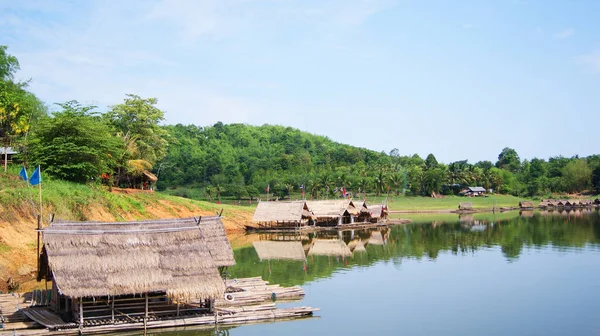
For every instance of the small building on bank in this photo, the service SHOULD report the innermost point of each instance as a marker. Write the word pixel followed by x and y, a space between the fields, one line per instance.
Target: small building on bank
pixel 333 212
pixel 526 205
pixel 7 153
pixel 474 191
pixel 465 206
pixel 282 214
pixel 104 272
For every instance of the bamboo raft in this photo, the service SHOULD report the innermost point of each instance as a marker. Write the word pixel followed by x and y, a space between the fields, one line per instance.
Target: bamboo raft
pixel 245 303
pixel 343 227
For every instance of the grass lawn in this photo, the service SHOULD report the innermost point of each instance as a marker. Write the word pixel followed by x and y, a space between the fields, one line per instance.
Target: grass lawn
pixel 450 202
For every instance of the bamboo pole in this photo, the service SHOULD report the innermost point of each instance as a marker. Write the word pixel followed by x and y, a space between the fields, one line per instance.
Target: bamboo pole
pixel 80 313
pixel 112 310
pixel 146 313
pixel 39 228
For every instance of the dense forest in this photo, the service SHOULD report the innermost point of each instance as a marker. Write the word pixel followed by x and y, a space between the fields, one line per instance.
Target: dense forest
pixel 119 146
pixel 242 161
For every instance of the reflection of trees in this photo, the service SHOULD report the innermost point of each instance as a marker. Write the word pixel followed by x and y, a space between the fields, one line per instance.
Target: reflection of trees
pixel 427 240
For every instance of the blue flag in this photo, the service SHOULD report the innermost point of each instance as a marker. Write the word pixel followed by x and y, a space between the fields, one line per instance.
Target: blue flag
pixel 36 177
pixel 23 174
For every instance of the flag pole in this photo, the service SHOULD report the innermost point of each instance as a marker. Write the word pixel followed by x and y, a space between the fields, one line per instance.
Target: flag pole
pixel 41 206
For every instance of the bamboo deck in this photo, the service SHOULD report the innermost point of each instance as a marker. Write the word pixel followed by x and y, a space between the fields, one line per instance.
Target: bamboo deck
pixel 247 303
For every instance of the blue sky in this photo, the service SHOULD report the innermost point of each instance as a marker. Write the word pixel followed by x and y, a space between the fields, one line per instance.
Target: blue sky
pixel 460 79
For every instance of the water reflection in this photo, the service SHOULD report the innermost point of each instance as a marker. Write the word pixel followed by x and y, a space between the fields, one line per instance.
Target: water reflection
pixel 293 259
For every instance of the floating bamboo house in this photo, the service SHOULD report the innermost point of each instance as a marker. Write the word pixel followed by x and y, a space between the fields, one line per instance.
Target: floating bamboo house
pixel 378 212
pixel 107 273
pixel 526 205
pixel 279 250
pixel 333 212
pixel 282 214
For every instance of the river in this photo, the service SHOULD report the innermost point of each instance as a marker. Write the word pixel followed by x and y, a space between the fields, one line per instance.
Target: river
pixel 505 274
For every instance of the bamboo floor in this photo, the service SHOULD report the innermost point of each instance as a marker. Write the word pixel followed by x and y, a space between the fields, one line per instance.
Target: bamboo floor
pixel 250 300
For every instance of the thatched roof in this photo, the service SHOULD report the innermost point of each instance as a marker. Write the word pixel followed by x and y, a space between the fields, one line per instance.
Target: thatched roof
pixel 526 204
pixel 275 250
pixel 150 176
pixel 281 212
pixel 215 236
pixel 377 210
pixel 211 227
pixel 361 206
pixel 332 208
pixel 332 248
pixel 465 206
pixel 99 260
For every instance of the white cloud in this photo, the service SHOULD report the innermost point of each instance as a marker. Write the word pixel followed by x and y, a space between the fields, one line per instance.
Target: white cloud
pixel 566 33
pixel 591 60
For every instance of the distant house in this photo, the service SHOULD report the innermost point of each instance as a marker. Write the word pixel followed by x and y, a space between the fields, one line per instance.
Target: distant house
pixel 465 206
pixel 378 212
pixel 333 212
pixel 9 154
pixel 526 205
pixel 473 191
pixel 282 214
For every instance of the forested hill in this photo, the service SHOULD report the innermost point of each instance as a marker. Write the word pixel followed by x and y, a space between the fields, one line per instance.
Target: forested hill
pixel 242 160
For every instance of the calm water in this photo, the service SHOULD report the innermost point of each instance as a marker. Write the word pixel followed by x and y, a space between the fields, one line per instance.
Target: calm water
pixel 482 275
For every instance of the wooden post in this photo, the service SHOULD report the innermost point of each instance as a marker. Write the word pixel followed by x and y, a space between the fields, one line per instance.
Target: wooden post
pixel 112 308
pixel 177 307
pixel 80 313
pixel 39 227
pixel 146 313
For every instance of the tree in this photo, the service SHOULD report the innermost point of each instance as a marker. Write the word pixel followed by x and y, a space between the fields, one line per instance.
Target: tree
pixel 430 162
pixel 14 114
pixel 74 144
pixel 577 175
pixel 138 120
pixel 509 159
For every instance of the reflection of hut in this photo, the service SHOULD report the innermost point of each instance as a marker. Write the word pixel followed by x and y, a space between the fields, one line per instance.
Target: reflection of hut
pixel 597 201
pixel 282 214
pixel 466 219
pixel 98 269
pixel 526 213
pixel 465 206
pixel 378 212
pixel 333 212
pixel 376 238
pixel 360 247
pixel 277 250
pixel 331 248
pixel 526 205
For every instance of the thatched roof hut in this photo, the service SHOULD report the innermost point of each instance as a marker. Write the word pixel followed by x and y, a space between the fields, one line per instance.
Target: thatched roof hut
pixel 526 205
pixel 94 260
pixel 465 206
pixel 331 248
pixel 332 208
pixel 290 212
pixel 276 250
pixel 378 211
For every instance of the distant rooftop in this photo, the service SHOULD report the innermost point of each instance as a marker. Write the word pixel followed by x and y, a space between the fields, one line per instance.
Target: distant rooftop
pixel 477 189
pixel 9 150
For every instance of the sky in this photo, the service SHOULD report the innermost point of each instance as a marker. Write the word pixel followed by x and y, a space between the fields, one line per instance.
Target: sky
pixel 459 79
